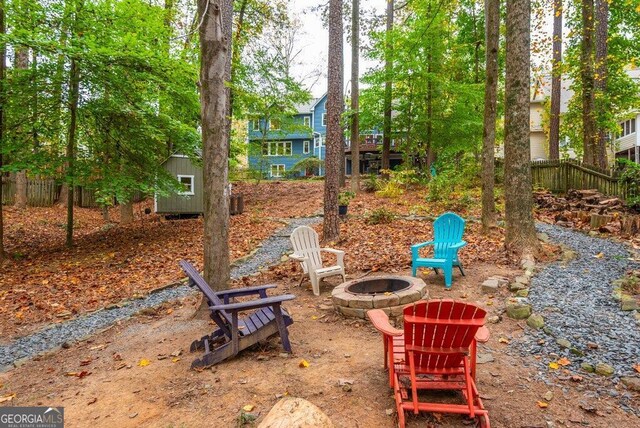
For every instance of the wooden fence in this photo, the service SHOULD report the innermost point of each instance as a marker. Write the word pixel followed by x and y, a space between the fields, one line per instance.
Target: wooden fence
pixel 560 176
pixel 40 192
pixel 45 192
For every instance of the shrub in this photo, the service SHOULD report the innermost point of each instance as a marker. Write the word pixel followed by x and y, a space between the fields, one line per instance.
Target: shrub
pixel 345 197
pixel 372 183
pixel 379 216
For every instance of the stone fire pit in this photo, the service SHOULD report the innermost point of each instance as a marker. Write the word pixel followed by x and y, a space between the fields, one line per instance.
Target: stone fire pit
pixel 388 292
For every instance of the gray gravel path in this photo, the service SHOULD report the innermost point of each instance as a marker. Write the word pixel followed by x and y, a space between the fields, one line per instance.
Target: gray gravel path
pixel 53 336
pixel 577 305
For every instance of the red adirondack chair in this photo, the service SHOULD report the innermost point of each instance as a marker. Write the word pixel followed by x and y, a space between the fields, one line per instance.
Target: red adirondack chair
pixel 436 350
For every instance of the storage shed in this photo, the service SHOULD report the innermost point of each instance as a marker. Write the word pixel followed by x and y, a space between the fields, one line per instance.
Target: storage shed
pixel 191 201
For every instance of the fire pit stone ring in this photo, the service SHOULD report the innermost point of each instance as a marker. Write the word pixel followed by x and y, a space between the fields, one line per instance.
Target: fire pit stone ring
pixel 388 292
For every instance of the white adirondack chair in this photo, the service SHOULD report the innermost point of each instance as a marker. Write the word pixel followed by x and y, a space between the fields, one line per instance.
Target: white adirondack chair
pixel 306 248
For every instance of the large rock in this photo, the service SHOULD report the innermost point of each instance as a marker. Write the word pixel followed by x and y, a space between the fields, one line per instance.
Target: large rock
pixel 517 309
pixel 535 321
pixel 604 369
pixel 490 286
pixel 632 383
pixel 629 303
pixel 292 412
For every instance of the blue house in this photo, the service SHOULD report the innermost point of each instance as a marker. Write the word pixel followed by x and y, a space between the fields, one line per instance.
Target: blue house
pixel 276 145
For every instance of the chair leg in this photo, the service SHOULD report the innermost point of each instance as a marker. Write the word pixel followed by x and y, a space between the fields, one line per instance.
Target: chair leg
pixel 302 275
pixel 414 270
pixel 461 270
pixel 282 328
pixel 448 276
pixel 435 270
pixel 315 284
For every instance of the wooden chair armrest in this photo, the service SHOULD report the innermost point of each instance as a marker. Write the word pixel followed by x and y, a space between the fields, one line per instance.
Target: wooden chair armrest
pixel 339 255
pixel 253 304
pixel 424 244
pixel 332 250
pixel 245 291
pixel 482 335
pixel 380 321
pixel 298 258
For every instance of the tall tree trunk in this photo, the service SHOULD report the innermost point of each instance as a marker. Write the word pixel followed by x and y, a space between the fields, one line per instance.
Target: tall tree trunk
pixel 492 37
pixel 126 213
pixel 213 99
pixel 600 84
pixel 556 82
pixel 3 55
pixel 74 95
pixel 331 224
pixel 236 51
pixel 355 96
pixel 388 95
pixel 586 58
pixel 22 64
pixel 520 232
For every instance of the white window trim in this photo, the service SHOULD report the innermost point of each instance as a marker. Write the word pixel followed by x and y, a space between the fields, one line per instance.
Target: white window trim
pixel 255 124
pixel 307 121
pixel 277 165
pixel 193 182
pixel 277 143
pixel 324 119
pixel 271 127
pixel 306 147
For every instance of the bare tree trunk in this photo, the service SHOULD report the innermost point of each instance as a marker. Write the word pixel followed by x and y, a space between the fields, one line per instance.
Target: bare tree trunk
pixel 388 94
pixel 74 95
pixel 22 64
pixel 126 213
pixel 214 103
pixel 588 100
pixel 105 213
pixel 331 224
pixel 600 84
pixel 492 37
pixel 556 82
pixel 520 232
pixel 355 96
pixel 3 55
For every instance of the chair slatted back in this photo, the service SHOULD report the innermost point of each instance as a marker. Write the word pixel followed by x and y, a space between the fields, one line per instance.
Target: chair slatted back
pixel 447 229
pixel 198 280
pixel 305 243
pixel 441 332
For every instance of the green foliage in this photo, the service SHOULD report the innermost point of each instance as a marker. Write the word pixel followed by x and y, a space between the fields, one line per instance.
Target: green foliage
pixel 372 183
pixel 379 216
pixel 344 198
pixel 457 172
pixel 438 75
pixel 397 182
pixel 311 163
pixel 630 175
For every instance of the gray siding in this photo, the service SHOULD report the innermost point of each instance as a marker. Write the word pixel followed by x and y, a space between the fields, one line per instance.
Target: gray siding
pixel 183 204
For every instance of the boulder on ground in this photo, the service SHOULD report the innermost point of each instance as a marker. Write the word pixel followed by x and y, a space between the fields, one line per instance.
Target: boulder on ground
pixel 292 412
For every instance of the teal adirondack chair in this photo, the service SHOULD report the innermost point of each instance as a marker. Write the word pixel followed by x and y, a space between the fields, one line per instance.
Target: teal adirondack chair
pixel 447 240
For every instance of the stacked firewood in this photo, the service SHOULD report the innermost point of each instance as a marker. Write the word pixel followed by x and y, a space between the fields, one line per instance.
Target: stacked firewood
pixel 588 209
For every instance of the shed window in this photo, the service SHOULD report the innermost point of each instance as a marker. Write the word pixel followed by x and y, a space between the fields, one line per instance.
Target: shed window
pixel 277 170
pixel 188 182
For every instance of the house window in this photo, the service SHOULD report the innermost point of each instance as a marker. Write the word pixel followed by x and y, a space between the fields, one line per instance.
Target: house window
pixel 187 181
pixel 277 170
pixel 307 121
pixel 274 124
pixel 278 148
pixel 627 127
pixel 306 147
pixel 255 124
pixel 324 119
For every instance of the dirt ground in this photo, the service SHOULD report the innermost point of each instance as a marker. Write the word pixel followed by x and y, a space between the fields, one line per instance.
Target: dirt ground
pixel 119 391
pixel 127 376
